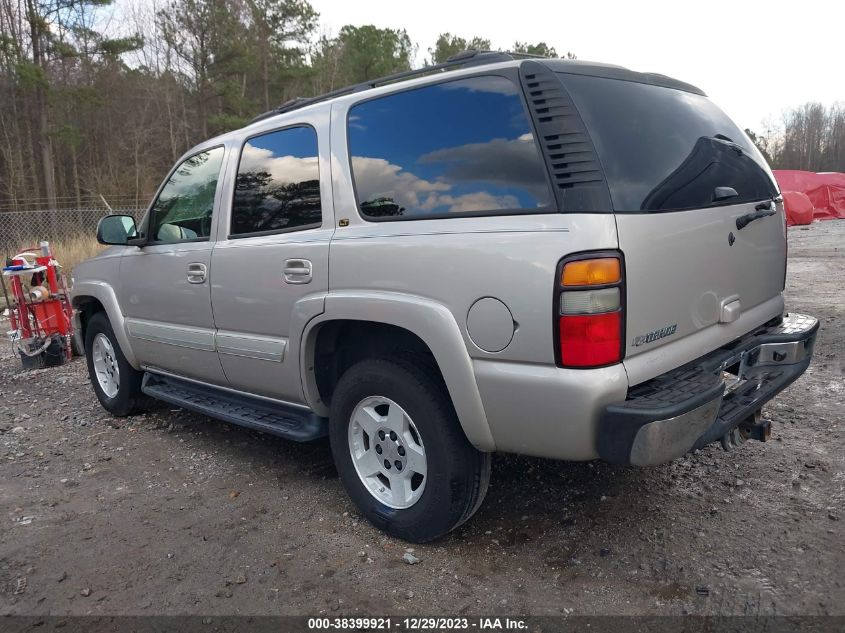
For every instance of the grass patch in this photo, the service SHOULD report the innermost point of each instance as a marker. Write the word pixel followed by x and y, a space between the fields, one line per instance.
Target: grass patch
pixel 73 250
pixel 68 251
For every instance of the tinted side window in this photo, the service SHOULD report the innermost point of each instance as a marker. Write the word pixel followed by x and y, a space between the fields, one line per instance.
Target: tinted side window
pixel 667 150
pixel 278 183
pixel 458 147
pixel 185 205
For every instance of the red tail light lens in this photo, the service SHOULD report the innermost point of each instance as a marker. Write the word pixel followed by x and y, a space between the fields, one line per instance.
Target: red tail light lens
pixel 590 340
pixel 590 310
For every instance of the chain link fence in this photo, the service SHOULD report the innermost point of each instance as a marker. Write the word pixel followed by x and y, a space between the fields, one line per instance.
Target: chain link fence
pixel 20 229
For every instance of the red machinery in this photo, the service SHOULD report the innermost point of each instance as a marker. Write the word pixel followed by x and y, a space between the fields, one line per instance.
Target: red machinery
pixel 40 312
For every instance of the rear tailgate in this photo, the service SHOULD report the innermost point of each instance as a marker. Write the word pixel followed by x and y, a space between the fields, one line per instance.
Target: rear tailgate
pixel 698 215
pixel 686 274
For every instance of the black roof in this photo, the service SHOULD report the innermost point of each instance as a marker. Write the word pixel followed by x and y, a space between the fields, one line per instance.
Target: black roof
pixel 477 58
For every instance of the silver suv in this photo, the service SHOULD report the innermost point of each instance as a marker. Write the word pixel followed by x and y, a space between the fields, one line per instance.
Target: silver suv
pixel 547 257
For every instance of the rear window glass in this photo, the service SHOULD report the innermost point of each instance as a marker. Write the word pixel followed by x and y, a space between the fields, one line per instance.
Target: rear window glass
pixel 453 149
pixel 278 183
pixel 667 150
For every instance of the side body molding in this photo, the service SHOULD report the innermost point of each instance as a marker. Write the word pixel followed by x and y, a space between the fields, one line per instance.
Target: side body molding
pixel 429 320
pixel 104 293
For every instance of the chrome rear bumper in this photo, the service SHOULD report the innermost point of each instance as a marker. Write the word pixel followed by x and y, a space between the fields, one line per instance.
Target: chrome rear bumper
pixel 694 405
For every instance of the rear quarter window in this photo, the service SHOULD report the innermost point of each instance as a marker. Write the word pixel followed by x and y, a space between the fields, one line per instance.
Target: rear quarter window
pixel 664 149
pixel 453 149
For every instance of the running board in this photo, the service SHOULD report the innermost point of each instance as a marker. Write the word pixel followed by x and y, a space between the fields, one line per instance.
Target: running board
pixel 291 423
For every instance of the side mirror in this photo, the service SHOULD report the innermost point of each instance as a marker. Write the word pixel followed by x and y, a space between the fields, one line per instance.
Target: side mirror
pixel 116 229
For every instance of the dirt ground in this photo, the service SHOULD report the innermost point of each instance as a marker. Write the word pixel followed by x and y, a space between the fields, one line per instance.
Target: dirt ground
pixel 174 513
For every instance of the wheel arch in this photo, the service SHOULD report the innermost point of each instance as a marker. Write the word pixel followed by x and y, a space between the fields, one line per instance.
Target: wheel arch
pixel 390 321
pixel 90 297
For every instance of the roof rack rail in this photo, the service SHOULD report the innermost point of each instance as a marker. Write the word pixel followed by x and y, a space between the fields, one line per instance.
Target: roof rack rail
pixel 472 57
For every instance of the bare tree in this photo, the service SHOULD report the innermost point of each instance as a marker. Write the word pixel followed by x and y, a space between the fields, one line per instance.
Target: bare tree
pixel 810 137
pixel 93 105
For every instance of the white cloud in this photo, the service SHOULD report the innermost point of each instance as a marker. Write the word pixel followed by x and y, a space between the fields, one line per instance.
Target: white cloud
pixel 479 201
pixel 285 169
pixel 377 178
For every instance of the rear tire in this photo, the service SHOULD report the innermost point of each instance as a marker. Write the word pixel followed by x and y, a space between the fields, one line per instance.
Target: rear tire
pixel 456 474
pixel 117 384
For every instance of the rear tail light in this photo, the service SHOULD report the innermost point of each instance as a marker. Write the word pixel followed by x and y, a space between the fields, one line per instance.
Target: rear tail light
pixel 590 322
pixel 589 301
pixel 591 272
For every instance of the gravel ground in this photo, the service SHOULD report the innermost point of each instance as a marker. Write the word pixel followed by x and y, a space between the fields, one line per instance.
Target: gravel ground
pixel 171 512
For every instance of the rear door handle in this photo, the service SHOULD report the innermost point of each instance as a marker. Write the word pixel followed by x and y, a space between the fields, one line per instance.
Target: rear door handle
pixel 297 271
pixel 762 210
pixel 197 273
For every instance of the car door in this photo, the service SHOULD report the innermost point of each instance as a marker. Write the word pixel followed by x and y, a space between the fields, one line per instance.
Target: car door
pixel 269 267
pixel 164 285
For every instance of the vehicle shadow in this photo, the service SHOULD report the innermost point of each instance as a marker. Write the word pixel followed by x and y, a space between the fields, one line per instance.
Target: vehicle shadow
pixel 527 496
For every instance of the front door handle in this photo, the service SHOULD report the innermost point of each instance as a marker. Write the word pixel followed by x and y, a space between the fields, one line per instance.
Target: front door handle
pixel 197 273
pixel 297 271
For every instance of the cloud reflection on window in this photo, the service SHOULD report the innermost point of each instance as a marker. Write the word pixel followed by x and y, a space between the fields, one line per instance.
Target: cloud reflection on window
pixel 278 183
pixel 460 147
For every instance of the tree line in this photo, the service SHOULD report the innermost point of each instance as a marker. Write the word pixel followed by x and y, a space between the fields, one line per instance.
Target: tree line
pixel 99 101
pixel 810 137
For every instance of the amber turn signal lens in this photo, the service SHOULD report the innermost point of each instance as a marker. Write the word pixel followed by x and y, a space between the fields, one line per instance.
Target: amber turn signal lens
pixel 591 272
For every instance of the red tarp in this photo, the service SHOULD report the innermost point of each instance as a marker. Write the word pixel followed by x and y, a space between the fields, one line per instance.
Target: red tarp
pixel 825 192
pixel 799 207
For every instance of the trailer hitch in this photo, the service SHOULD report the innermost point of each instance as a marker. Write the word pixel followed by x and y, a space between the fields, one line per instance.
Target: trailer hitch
pixel 754 427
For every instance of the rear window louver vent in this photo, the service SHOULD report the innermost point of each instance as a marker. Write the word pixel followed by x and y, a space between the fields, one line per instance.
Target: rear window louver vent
pixel 577 178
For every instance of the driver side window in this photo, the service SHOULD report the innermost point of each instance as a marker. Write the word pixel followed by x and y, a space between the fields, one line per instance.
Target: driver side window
pixel 184 208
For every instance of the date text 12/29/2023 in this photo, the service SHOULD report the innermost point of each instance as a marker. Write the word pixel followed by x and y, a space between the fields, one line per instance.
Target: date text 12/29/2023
pixel 417 624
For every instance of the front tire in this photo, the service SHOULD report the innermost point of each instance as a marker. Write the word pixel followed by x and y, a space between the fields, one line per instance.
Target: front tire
pixel 116 383
pixel 400 450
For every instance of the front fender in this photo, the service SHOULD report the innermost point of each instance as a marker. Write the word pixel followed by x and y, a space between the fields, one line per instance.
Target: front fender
pixel 430 321
pixel 104 293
